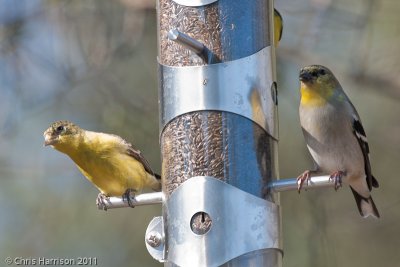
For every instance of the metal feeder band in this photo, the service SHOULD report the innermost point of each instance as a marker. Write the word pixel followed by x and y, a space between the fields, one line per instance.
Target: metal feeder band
pixel 245 86
pixel 194 3
pixel 241 223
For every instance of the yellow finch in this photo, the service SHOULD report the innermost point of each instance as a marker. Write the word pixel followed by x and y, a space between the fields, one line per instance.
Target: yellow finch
pixel 335 136
pixel 278 27
pixel 106 160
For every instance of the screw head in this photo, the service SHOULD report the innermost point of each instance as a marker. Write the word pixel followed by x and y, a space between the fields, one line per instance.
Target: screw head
pixel 154 239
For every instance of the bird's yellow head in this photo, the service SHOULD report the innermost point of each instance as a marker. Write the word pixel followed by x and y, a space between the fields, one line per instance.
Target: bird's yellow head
pixel 62 135
pixel 278 27
pixel 317 85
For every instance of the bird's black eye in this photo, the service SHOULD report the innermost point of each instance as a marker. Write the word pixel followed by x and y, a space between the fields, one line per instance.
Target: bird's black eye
pixel 314 73
pixel 322 72
pixel 60 128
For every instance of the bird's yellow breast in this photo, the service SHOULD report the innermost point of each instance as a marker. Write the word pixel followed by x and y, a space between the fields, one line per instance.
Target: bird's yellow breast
pixel 103 160
pixel 312 96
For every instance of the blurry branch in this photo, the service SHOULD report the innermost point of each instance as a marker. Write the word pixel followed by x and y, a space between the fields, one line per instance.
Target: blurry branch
pixel 358 70
pixel 105 33
pixel 351 19
pixel 385 86
pixel 85 41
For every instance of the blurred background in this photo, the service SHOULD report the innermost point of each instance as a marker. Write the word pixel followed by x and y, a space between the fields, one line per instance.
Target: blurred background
pixel 94 63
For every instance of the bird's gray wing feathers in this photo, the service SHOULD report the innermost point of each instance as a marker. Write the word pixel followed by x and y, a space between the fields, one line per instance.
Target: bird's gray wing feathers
pixel 362 140
pixel 139 157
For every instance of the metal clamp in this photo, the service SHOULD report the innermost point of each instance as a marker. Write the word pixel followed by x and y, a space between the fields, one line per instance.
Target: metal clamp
pixel 194 2
pixel 154 239
pixel 230 209
pixel 245 86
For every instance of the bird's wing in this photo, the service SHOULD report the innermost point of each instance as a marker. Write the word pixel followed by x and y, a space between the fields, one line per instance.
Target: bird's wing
pixel 131 151
pixel 359 133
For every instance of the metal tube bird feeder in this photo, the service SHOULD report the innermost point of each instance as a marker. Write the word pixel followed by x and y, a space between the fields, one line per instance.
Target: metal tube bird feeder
pixel 218 135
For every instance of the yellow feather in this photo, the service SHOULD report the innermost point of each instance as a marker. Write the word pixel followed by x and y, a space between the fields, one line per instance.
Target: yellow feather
pixel 315 94
pixel 278 27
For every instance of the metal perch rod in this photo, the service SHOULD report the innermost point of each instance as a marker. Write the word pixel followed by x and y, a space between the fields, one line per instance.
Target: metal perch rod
pixel 282 185
pixel 290 184
pixel 187 41
pixel 138 200
pixel 193 45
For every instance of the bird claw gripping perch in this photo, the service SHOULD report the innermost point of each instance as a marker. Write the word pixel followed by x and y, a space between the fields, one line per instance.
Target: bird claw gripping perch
pixel 128 196
pixel 304 177
pixel 102 201
pixel 336 177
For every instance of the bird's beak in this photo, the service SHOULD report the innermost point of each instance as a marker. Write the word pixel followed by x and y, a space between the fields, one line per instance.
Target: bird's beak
pixel 49 140
pixel 305 77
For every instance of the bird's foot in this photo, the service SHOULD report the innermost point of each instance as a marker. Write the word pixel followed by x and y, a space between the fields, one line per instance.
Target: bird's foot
pixel 128 196
pixel 101 201
pixel 304 177
pixel 336 177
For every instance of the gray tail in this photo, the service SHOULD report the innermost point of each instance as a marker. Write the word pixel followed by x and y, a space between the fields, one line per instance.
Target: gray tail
pixel 366 206
pixel 157 182
pixel 374 182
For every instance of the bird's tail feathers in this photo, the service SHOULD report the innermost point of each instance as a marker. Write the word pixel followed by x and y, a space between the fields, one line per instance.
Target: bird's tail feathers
pixel 156 182
pixel 375 182
pixel 366 206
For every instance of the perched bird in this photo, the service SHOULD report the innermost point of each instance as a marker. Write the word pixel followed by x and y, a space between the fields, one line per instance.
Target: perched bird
pixel 335 136
pixel 106 160
pixel 278 27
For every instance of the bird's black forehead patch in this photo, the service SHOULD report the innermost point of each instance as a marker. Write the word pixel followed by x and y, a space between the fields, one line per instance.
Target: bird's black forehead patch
pixel 314 70
pixel 56 124
pixel 68 127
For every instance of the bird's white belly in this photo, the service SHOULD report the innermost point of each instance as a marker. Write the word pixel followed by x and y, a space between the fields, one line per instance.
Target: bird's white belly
pixel 331 142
